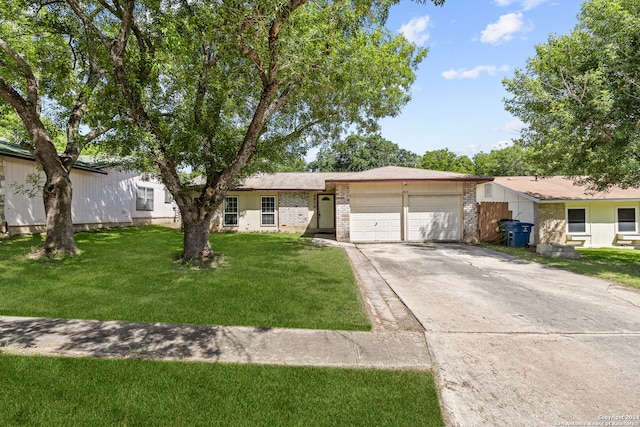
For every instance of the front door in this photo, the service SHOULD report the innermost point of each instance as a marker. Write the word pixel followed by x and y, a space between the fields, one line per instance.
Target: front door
pixel 326 211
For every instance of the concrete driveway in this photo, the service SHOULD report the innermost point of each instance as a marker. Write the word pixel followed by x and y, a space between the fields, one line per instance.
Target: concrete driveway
pixel 517 343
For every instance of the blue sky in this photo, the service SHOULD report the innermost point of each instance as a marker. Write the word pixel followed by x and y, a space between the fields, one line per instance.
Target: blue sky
pixel 457 98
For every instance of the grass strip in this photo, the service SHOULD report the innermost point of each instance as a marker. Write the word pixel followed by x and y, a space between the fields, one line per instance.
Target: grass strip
pixel 45 391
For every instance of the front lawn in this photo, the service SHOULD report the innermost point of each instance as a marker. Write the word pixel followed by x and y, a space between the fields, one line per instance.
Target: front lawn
pixel 48 391
pixel 617 265
pixel 264 280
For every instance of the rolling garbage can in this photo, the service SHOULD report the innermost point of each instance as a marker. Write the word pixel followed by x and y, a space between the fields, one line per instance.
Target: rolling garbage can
pixel 502 229
pixel 518 233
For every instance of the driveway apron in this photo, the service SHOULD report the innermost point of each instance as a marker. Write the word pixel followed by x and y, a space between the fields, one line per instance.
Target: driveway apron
pixel 519 343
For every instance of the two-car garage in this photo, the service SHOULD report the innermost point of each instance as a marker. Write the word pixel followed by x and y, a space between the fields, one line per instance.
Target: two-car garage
pixel 399 204
pixel 412 214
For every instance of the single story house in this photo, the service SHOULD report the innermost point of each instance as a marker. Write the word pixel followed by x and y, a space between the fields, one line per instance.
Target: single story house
pixel 388 204
pixel 564 212
pixel 103 196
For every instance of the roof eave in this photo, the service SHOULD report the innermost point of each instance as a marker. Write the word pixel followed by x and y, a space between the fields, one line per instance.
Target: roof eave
pixel 30 158
pixel 477 180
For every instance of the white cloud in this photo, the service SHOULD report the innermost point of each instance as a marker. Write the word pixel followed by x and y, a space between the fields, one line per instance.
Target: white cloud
pixel 474 73
pixel 504 30
pixel 416 30
pixel 501 144
pixel 526 4
pixel 512 126
pixel 473 149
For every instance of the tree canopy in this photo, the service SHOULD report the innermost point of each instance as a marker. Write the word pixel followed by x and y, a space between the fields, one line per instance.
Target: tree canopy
pixel 445 160
pixel 579 97
pixel 225 89
pixel 510 161
pixel 358 153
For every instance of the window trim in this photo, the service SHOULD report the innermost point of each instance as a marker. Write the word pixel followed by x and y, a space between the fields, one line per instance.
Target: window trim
pixel 263 213
pixel 225 212
pixel 635 223
pixel 586 220
pixel 145 207
pixel 168 198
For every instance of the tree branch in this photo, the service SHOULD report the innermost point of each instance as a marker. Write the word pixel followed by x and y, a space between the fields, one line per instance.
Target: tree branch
pixel 33 98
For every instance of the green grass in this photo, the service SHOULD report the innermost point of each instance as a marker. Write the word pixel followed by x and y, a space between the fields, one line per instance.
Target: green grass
pixel 618 265
pixel 264 280
pixel 47 391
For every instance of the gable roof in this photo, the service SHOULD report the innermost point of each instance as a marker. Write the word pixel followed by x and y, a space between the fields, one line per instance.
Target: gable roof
pixel 399 173
pixel 316 181
pixel 558 188
pixel 83 163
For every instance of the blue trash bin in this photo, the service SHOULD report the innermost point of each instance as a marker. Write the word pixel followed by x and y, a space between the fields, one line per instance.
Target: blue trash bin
pixel 518 233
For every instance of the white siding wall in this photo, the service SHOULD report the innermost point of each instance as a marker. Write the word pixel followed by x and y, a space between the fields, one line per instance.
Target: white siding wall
pixel 97 198
pixel 521 207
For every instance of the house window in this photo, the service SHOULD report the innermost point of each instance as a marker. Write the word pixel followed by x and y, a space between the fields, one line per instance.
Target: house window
pixel 488 191
pixel 577 220
pixel 231 211
pixel 627 220
pixel 144 199
pixel 168 198
pixel 268 210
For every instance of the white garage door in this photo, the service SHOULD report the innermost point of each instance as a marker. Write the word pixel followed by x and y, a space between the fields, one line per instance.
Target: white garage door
pixel 376 218
pixel 434 218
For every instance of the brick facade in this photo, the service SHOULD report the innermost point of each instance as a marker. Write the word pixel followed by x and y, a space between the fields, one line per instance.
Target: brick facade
pixel 343 212
pixel 550 218
pixel 469 213
pixel 293 211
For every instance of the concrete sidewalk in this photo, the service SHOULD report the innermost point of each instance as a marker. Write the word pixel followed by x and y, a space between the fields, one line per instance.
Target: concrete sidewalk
pixel 396 342
pixel 299 347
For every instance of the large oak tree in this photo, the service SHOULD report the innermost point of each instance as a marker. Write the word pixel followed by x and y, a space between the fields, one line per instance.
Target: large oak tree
pixel 580 97
pixel 224 88
pixel 47 58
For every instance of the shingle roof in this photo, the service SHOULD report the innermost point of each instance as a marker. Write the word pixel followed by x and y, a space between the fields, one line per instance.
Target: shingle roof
pixel 83 162
pixel 561 188
pixel 308 181
pixel 398 173
pixel 316 181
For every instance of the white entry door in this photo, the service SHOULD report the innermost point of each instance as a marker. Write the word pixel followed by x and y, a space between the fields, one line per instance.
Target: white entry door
pixel 326 211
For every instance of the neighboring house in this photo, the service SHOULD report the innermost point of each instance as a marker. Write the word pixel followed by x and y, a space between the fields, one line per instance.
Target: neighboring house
pixel 388 204
pixel 102 196
pixel 566 213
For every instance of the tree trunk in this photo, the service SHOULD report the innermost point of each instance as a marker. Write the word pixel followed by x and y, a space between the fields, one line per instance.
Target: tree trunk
pixel 57 195
pixel 196 225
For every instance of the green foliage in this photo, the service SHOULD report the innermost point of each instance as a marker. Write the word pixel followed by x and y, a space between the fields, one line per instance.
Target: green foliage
pixel 111 392
pixel 359 153
pixel 55 49
pixel 579 97
pixel 445 160
pixel 205 73
pixel 510 161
